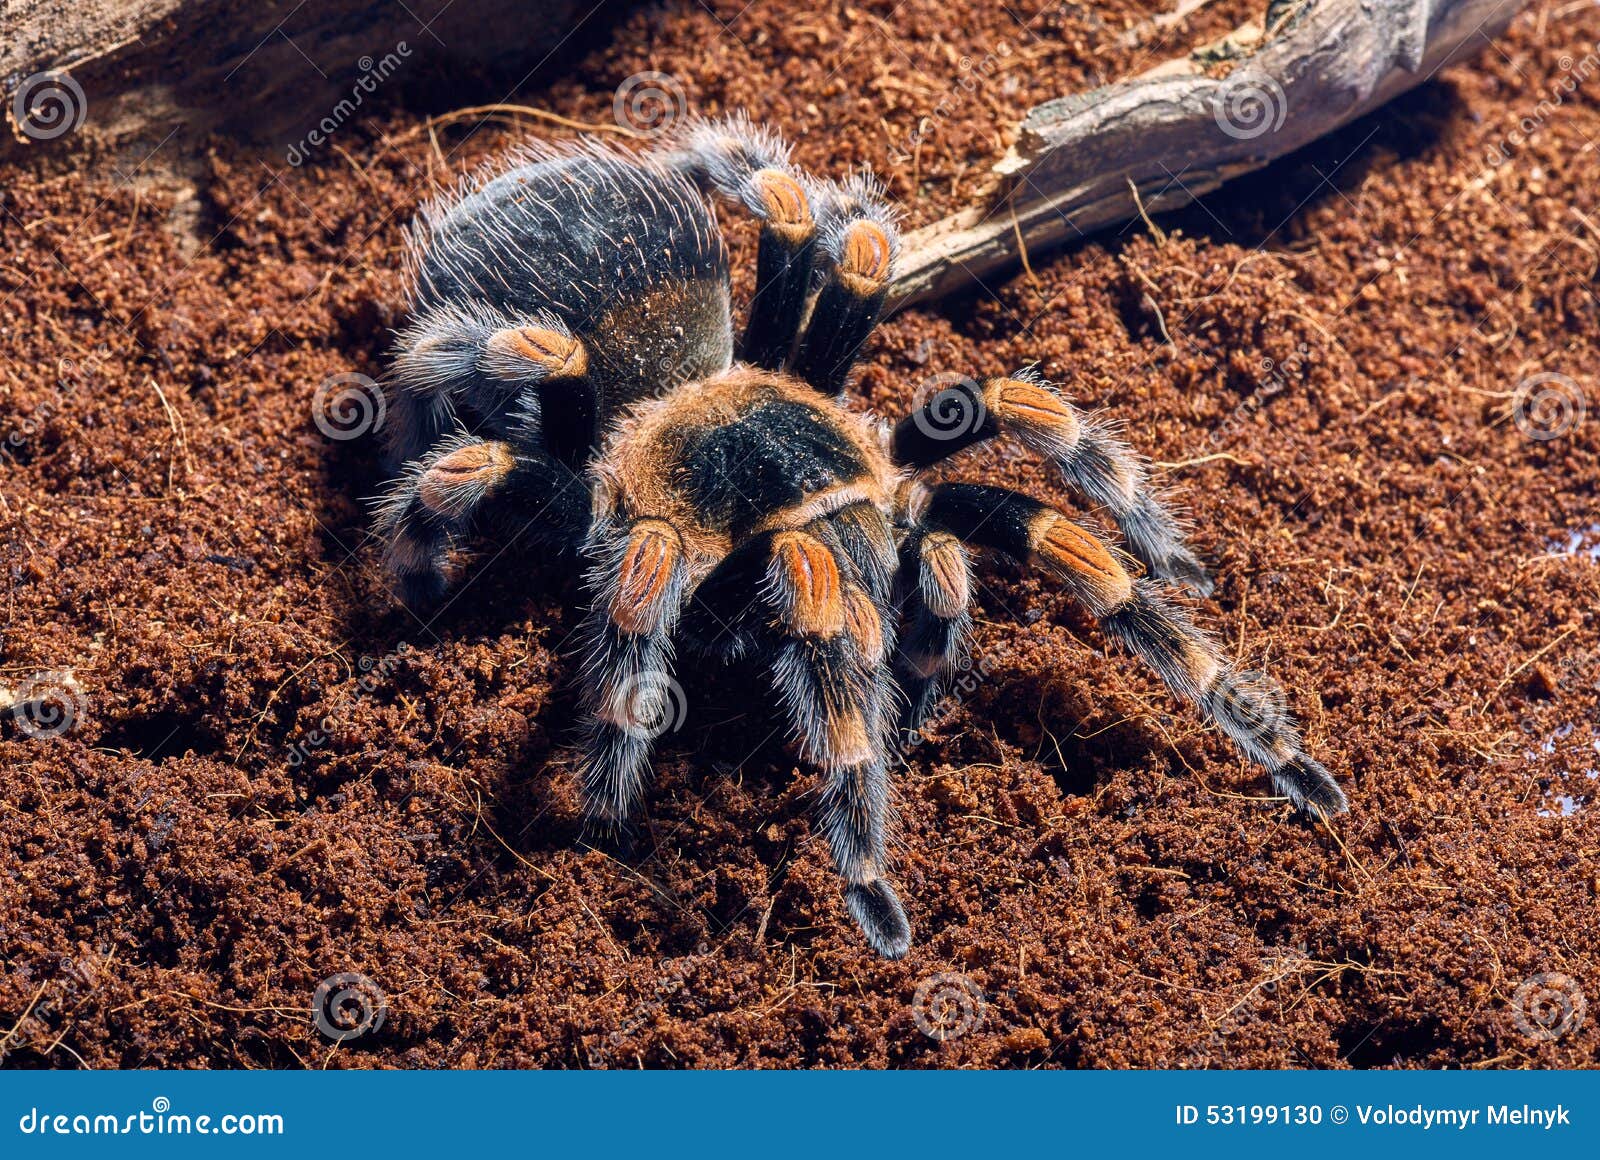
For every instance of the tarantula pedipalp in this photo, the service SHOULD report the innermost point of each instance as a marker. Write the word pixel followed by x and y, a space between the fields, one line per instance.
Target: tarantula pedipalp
pixel 570 368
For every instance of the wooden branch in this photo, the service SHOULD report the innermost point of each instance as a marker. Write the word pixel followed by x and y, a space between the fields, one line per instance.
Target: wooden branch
pixel 1175 133
pixel 138 72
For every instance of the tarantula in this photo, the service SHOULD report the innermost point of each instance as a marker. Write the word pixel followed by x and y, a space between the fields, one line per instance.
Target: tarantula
pixel 570 364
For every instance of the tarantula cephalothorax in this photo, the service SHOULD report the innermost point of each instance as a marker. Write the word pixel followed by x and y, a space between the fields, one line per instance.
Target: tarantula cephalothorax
pixel 570 366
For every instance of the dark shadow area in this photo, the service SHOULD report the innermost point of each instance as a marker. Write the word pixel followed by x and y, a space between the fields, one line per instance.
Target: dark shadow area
pixel 1259 210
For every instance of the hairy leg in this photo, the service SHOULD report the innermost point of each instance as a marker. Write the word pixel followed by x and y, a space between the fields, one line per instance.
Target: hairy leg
pixel 750 165
pixel 860 244
pixel 841 233
pixel 1095 461
pixel 460 366
pixel 936 573
pixel 1143 618
pixel 637 586
pixel 829 673
pixel 462 480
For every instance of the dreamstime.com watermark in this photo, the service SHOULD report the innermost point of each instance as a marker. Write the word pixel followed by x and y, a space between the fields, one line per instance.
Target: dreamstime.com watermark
pixel 349 405
pixel 373 74
pixel 1548 1006
pixel 71 374
pixel 47 105
pixel 947 1006
pixel 971 75
pixel 63 994
pixel 649 104
pixel 375 672
pixel 347 1006
pixel 1574 73
pixel 50 705
pixel 1276 376
pixel 676 974
pixel 1283 970
pixel 965 676
pixel 160 1120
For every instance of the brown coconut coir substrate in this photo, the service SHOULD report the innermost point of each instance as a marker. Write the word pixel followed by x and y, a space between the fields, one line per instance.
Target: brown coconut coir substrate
pixel 274 776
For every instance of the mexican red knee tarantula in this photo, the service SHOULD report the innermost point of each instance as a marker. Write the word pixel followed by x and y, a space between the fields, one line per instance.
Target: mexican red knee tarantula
pixel 571 364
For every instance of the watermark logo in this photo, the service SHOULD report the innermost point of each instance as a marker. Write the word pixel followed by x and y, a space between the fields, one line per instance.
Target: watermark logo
pixel 965 676
pixel 1250 706
pixel 36 1025
pixel 48 704
pixel 347 1006
pixel 1548 1006
pixel 48 105
pixel 1546 406
pixel 677 975
pixel 159 1120
pixel 971 76
pixel 348 406
pixel 373 74
pixel 1250 104
pixel 947 1006
pixel 648 704
pixel 375 672
pixel 1573 75
pixel 1277 375
pixel 949 406
pixel 70 374
pixel 649 103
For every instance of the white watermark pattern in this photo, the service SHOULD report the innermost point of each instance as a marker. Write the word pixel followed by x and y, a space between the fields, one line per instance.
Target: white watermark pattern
pixel 48 704
pixel 1250 104
pixel 949 406
pixel 1548 1006
pixel 373 74
pixel 1547 406
pixel 1574 74
pixel 348 406
pixel 48 105
pixel 1250 704
pixel 375 672
pixel 347 1006
pixel 76 981
pixel 648 704
pixel 971 76
pixel 649 103
pixel 676 976
pixel 947 1006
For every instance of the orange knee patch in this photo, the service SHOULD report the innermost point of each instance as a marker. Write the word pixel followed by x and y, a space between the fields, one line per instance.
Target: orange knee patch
pixel 813 593
pixel 947 581
pixel 866 257
pixel 517 350
pixel 846 738
pixel 1076 555
pixel 863 623
pixel 645 577
pixel 455 482
pixel 1031 406
pixel 785 204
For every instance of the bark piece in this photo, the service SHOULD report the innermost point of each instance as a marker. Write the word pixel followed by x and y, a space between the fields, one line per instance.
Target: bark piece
pixel 1319 65
pixel 266 71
